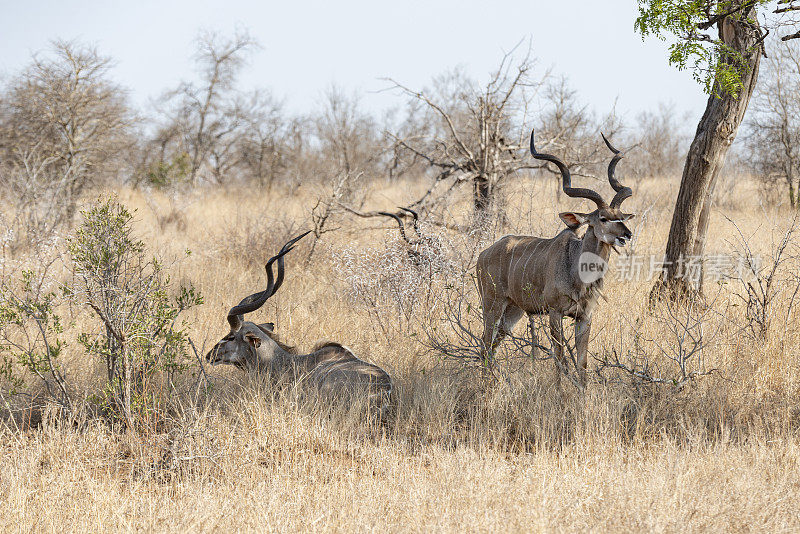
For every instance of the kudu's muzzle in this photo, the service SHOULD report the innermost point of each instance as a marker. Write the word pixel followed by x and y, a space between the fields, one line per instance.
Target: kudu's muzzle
pixel 624 238
pixel 212 356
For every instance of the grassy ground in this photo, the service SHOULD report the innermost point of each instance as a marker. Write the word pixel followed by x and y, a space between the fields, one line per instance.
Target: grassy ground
pixel 458 453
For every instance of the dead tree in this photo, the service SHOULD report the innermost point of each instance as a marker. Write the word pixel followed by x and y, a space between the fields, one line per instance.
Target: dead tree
pixel 263 148
pixel 475 140
pixel 349 140
pixel 63 116
pixel 208 115
pixel 479 134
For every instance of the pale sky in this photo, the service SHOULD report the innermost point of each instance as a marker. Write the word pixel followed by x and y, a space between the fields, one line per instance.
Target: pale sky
pixel 309 45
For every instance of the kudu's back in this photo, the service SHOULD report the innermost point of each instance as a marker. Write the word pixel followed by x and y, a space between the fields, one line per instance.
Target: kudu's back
pixel 334 371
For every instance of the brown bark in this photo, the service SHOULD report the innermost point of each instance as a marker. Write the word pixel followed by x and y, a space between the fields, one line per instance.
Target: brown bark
pixel 126 402
pixel 702 228
pixel 482 194
pixel 715 133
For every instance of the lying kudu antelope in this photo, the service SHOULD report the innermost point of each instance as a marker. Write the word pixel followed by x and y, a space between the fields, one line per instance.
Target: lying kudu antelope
pixel 331 370
pixel 531 275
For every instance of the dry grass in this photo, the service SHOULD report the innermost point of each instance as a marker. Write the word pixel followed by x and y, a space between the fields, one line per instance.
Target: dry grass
pixel 458 454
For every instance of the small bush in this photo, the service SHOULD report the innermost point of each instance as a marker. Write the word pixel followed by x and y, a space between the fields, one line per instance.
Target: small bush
pixel 140 334
pixel 135 326
pixel 31 338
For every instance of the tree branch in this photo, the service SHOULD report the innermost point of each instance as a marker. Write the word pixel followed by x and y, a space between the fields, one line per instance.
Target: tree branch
pixel 707 24
pixel 466 151
pixel 789 37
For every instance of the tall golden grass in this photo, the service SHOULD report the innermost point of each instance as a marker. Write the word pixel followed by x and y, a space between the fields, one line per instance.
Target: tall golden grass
pixel 459 452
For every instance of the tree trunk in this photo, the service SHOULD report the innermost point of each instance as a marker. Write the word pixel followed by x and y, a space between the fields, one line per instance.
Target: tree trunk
pixel 482 193
pixel 126 358
pixel 702 228
pixel 715 133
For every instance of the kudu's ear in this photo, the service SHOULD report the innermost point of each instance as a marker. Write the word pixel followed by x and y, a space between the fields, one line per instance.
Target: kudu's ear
pixel 267 328
pixel 573 220
pixel 628 216
pixel 253 339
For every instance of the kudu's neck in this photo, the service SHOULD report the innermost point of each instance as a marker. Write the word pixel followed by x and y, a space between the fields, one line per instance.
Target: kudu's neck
pixel 591 244
pixel 272 358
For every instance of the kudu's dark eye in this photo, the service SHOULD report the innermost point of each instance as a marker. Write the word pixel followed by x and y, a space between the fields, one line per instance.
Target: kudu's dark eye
pixel 603 219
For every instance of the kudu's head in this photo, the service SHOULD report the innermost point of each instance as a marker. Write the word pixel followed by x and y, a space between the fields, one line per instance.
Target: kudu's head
pixel 249 346
pixel 607 221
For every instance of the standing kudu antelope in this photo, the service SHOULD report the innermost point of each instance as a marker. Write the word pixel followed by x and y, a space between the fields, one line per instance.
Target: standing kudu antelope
pixel 531 275
pixel 331 369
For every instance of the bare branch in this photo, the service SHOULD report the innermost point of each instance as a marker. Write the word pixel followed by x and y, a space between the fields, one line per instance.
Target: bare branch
pixel 463 147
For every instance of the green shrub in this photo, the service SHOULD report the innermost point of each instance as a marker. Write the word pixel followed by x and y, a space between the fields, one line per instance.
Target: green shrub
pixel 139 337
pixel 135 325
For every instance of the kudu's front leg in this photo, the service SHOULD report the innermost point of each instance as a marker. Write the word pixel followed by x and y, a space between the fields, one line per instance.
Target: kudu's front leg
pixel 534 336
pixel 583 328
pixel 557 335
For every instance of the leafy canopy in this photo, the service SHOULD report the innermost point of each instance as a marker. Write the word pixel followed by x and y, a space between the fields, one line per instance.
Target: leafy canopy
pixel 716 66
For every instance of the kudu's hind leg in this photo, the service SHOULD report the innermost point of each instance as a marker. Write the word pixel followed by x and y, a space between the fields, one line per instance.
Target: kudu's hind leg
pixel 510 317
pixel 557 336
pixel 492 328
